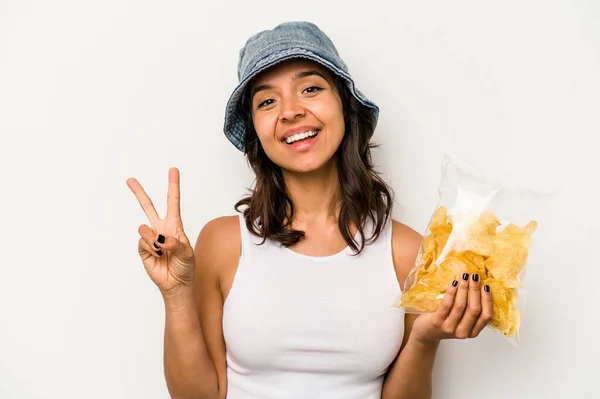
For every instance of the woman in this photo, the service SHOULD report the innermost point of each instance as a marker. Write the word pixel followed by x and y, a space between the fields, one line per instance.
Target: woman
pixel 292 299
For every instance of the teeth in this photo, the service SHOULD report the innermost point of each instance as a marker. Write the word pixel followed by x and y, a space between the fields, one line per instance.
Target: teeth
pixel 300 136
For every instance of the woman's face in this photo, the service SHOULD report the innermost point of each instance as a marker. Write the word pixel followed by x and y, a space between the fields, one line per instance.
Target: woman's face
pixel 297 114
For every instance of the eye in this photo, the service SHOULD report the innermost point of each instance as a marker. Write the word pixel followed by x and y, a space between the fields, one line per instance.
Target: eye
pixel 265 103
pixel 313 89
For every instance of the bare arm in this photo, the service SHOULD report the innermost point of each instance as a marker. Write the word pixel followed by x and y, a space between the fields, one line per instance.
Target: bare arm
pixel 410 374
pixel 185 280
pixel 189 371
pixel 194 354
pixel 217 255
pixel 464 311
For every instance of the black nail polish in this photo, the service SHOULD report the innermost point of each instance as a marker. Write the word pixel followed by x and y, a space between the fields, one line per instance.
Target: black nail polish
pixel 159 253
pixel 476 277
pixel 486 288
pixel 156 245
pixel 454 283
pixel 466 276
pixel 161 239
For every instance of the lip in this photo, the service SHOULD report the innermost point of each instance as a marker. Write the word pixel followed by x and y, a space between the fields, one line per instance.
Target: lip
pixel 303 146
pixel 299 129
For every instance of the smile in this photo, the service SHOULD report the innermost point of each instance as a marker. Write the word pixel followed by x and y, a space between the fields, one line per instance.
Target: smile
pixel 301 136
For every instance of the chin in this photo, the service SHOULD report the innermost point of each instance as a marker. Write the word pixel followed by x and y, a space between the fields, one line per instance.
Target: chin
pixel 307 165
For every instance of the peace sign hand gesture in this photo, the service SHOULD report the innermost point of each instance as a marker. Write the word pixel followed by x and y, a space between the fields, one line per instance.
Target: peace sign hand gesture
pixel 164 248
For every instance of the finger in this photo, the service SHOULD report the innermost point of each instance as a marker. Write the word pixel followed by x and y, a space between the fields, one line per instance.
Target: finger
pixel 145 250
pixel 173 194
pixel 178 247
pixel 149 238
pixel 445 307
pixel 471 315
pixel 170 243
pixel 487 311
pixel 144 200
pixel 460 304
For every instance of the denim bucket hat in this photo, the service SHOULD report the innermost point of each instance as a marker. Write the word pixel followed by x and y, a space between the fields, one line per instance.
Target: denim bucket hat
pixel 267 48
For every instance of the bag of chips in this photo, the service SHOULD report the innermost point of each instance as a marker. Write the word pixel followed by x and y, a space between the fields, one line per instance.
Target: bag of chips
pixel 477 227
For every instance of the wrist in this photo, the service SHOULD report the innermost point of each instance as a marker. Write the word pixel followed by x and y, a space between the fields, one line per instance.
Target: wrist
pixel 181 299
pixel 423 343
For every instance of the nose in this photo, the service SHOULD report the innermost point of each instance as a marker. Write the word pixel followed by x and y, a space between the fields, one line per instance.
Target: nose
pixel 291 108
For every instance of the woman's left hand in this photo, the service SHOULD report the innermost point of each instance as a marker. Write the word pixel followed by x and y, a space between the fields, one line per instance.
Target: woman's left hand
pixel 464 312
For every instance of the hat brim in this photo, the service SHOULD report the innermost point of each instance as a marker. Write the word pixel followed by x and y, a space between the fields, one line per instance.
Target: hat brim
pixel 235 125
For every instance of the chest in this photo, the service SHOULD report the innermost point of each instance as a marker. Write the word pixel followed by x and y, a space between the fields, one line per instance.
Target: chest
pixel 321 242
pixel 313 317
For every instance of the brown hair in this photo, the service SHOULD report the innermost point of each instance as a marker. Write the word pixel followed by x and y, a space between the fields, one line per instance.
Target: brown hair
pixel 364 193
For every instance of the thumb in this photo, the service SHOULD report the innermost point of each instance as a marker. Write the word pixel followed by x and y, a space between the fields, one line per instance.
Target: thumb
pixel 175 246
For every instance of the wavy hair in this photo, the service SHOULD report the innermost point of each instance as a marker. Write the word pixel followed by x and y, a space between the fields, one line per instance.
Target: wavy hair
pixel 364 193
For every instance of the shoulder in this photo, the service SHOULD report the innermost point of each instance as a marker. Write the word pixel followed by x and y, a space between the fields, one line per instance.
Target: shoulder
pixel 216 230
pixel 218 242
pixel 406 243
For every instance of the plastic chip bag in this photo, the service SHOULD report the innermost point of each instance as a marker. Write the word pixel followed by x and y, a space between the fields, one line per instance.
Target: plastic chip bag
pixel 477 227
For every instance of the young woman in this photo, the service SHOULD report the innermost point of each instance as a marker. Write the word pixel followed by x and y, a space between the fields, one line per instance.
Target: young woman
pixel 293 297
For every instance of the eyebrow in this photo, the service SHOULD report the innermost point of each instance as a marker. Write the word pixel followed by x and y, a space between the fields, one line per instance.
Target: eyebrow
pixel 299 75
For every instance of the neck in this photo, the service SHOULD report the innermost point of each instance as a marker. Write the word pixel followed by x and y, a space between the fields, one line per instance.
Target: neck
pixel 316 195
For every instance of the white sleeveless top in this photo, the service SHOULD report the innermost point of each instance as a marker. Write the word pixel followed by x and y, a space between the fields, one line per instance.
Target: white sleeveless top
pixel 298 326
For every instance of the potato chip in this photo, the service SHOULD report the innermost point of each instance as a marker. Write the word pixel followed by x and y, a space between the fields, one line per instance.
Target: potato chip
pixel 490 221
pixel 440 235
pixel 511 253
pixel 503 303
pixel 426 256
pixel 421 299
pixel 443 274
pixel 505 240
pixel 478 240
pixel 473 262
pixel 439 218
pixel 499 257
pixel 514 322
pixel 529 229
pixel 477 260
pixel 455 266
pixel 506 265
pixel 428 243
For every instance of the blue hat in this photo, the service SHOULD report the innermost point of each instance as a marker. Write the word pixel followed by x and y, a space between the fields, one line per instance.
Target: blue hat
pixel 265 49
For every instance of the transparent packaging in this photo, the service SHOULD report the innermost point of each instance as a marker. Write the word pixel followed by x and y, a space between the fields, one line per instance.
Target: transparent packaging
pixel 477 227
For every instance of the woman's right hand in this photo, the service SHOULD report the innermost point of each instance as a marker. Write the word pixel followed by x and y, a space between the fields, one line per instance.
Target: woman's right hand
pixel 164 248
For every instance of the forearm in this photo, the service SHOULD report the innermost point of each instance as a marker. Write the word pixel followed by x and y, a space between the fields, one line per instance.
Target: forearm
pixel 189 370
pixel 411 374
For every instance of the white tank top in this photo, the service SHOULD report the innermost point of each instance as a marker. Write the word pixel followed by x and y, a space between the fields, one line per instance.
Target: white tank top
pixel 298 326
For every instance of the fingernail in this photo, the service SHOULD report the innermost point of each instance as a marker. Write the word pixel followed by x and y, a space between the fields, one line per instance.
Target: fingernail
pixel 161 239
pixel 159 253
pixel 454 283
pixel 466 276
pixel 476 277
pixel 156 245
pixel 486 288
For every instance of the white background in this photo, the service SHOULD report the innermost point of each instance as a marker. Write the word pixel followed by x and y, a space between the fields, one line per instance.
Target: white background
pixel 92 93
